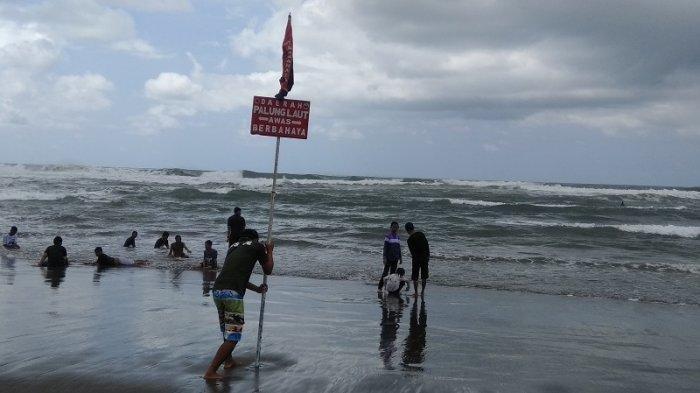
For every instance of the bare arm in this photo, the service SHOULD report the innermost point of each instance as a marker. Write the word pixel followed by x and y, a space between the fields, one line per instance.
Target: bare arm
pixel 259 289
pixel 270 262
pixel 43 259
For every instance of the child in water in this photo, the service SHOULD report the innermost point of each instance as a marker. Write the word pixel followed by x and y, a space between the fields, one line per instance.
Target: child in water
pixel 393 283
pixel 210 255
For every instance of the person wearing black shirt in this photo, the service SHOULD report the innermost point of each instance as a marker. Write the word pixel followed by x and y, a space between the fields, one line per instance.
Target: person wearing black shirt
pixel 131 241
pixel 162 241
pixel 230 287
pixel 420 254
pixel 55 256
pixel 104 260
pixel 236 225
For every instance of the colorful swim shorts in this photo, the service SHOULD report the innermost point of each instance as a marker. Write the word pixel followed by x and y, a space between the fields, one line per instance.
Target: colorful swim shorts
pixel 230 306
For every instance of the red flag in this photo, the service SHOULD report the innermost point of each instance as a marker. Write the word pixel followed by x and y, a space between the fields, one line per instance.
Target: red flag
pixel 287 79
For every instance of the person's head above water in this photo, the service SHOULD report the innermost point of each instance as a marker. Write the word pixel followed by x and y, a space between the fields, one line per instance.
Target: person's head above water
pixel 178 238
pixel 134 234
pixel 207 244
pixel 13 230
pixel 248 234
pixel 237 210
pixel 409 227
pixel 165 235
pixel 98 250
pixel 57 241
pixel 394 226
pixel 400 272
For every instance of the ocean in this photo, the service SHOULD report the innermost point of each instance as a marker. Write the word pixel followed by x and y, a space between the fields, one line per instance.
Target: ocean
pixel 523 237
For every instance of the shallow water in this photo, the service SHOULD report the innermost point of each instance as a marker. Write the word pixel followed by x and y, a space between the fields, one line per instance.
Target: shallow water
pixel 516 236
pixel 144 329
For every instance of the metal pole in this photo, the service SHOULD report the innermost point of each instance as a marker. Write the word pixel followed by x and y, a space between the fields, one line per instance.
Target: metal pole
pixel 269 239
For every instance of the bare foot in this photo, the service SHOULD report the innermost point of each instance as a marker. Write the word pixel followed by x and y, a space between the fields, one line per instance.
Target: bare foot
pixel 230 364
pixel 415 294
pixel 212 376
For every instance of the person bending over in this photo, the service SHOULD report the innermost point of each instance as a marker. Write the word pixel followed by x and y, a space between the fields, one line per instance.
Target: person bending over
pixel 394 283
pixel 9 241
pixel 420 255
pixel 177 249
pixel 230 287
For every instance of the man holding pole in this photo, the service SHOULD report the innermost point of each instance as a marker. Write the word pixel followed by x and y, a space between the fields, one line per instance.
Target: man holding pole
pixel 230 287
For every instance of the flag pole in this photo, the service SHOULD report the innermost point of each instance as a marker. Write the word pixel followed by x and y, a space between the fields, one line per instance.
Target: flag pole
pixel 269 239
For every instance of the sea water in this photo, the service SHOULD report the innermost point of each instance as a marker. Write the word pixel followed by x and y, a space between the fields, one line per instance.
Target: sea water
pixel 562 239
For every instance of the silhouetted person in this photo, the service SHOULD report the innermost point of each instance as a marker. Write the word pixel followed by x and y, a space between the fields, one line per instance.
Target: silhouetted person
pixel 162 241
pixel 420 255
pixel 55 256
pixel 131 241
pixel 177 249
pixel 236 226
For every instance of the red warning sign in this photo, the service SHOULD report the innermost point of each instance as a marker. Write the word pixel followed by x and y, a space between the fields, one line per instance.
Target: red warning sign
pixel 282 118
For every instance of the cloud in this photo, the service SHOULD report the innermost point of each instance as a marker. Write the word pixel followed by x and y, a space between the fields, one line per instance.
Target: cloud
pixel 137 47
pixel 607 68
pixel 152 5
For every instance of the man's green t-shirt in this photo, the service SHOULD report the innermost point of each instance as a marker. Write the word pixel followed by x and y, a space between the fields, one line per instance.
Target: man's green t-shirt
pixel 239 265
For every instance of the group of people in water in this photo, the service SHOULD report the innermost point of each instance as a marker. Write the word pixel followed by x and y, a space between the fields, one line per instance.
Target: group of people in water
pixel 244 252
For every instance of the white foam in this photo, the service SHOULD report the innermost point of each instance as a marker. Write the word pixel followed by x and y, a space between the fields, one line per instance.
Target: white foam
pixel 560 189
pixel 665 230
pixel 457 201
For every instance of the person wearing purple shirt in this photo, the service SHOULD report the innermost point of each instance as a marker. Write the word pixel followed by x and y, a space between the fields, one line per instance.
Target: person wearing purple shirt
pixel 391 253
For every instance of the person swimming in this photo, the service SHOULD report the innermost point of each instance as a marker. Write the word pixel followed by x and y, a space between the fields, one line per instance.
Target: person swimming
pixel 104 260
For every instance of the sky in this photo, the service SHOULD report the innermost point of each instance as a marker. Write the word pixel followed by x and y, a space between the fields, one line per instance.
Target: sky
pixel 555 91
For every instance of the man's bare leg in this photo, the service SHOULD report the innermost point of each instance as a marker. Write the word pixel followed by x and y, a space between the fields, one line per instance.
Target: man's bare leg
pixel 415 288
pixel 422 288
pixel 229 362
pixel 222 354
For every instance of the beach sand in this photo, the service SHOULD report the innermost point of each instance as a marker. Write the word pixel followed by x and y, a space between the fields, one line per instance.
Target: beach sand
pixel 143 330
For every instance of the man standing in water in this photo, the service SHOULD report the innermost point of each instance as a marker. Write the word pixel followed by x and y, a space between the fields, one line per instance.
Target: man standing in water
pixel 420 255
pixel 9 241
pixel 236 225
pixel 177 249
pixel 391 253
pixel 162 241
pixel 229 289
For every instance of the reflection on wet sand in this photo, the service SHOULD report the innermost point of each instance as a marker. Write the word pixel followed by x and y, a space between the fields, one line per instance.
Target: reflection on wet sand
pixel 97 276
pixel 8 268
pixel 392 307
pixel 54 276
pixel 208 277
pixel 415 342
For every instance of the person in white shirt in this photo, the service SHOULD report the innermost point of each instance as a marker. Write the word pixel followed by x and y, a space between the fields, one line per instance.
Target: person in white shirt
pixel 9 241
pixel 394 283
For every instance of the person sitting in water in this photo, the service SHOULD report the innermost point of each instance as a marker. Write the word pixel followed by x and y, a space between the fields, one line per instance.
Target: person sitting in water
pixel 55 256
pixel 177 249
pixel 104 260
pixel 394 283
pixel 9 241
pixel 210 255
pixel 131 241
pixel 163 241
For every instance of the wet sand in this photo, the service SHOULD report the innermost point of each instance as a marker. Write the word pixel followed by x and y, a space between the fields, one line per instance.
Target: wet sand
pixel 138 329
